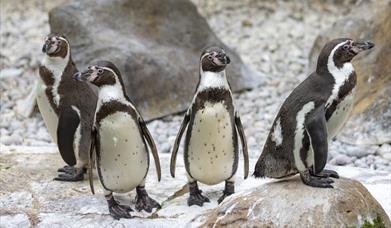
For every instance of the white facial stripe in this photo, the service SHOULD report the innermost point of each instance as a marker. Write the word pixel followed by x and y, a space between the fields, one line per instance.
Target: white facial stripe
pixel 340 74
pixel 203 56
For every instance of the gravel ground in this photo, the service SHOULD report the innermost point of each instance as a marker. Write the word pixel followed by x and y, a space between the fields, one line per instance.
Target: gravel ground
pixel 274 37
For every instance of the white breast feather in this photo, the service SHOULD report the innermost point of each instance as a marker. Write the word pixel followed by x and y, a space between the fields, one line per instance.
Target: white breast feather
pixel 299 133
pixel 277 133
pixel 56 65
pixel 77 137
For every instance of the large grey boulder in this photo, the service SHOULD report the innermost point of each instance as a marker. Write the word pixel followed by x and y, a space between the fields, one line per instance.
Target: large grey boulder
pixel 371 120
pixel 290 203
pixel 155 43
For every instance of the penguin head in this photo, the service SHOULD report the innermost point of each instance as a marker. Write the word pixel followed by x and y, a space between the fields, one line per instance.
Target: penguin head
pixel 56 45
pixel 102 73
pixel 214 59
pixel 341 51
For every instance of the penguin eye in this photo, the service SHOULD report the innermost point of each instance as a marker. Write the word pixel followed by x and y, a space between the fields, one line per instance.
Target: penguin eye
pixel 210 57
pixel 345 47
pixel 100 71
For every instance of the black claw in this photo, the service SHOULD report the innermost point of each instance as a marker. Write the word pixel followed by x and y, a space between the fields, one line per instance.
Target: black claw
pixel 67 169
pixel 315 181
pixel 116 210
pixel 144 202
pixel 326 173
pixel 77 175
pixel 196 198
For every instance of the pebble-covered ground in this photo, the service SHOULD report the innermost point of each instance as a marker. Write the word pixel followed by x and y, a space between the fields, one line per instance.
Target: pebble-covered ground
pixel 274 37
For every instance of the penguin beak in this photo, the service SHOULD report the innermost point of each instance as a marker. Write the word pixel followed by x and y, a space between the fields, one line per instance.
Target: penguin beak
pixel 82 76
pixel 45 47
pixel 223 59
pixel 358 47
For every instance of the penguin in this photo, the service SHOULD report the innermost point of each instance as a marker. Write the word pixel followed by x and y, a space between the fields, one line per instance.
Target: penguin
pixel 67 107
pixel 211 142
pixel 122 158
pixel 313 114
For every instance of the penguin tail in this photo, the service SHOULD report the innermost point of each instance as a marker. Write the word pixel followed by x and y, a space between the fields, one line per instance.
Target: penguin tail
pixel 259 170
pixel 268 166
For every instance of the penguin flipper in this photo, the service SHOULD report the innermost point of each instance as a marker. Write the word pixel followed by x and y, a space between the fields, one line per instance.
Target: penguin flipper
pixel 68 122
pixel 174 152
pixel 316 128
pixel 240 130
pixel 91 161
pixel 147 135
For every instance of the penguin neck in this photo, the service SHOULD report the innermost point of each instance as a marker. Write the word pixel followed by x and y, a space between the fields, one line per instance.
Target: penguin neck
pixel 108 93
pixel 57 65
pixel 340 76
pixel 209 79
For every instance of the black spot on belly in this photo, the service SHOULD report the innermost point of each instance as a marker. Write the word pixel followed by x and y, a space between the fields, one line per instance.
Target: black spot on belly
pixel 126 140
pixel 205 144
pixel 118 155
pixel 117 177
pixel 216 156
pixel 115 159
pixel 200 121
pixel 198 130
pixel 208 152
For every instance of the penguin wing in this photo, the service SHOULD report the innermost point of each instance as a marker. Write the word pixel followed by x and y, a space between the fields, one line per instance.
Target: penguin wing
pixel 68 122
pixel 316 128
pixel 147 135
pixel 91 160
pixel 240 130
pixel 174 152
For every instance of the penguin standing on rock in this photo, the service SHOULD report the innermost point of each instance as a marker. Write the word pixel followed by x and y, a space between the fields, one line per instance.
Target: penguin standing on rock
pixel 211 145
pixel 67 107
pixel 312 114
pixel 122 158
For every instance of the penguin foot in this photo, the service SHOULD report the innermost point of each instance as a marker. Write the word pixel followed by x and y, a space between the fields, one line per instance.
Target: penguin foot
pixel 144 202
pixel 116 210
pixel 315 181
pixel 71 175
pixel 66 169
pixel 196 197
pixel 327 173
pixel 229 190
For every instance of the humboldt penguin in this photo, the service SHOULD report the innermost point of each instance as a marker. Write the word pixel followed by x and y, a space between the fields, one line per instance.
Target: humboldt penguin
pixel 67 107
pixel 122 158
pixel 312 115
pixel 211 145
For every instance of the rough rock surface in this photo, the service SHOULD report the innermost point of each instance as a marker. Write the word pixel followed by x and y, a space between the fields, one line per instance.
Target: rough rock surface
pixel 29 196
pixel 156 45
pixel 290 203
pixel 371 121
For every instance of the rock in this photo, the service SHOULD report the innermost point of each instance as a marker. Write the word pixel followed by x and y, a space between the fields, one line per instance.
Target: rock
pixel 385 151
pixel 10 73
pixel 291 203
pixel 15 220
pixel 370 122
pixel 30 190
pixel 156 45
pixel 341 159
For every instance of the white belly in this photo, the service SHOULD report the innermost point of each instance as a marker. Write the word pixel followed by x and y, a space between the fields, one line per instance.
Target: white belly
pixel 340 115
pixel 49 116
pixel 123 155
pixel 211 146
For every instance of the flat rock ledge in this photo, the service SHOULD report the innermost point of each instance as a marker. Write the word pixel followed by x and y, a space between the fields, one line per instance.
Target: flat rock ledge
pixel 290 203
